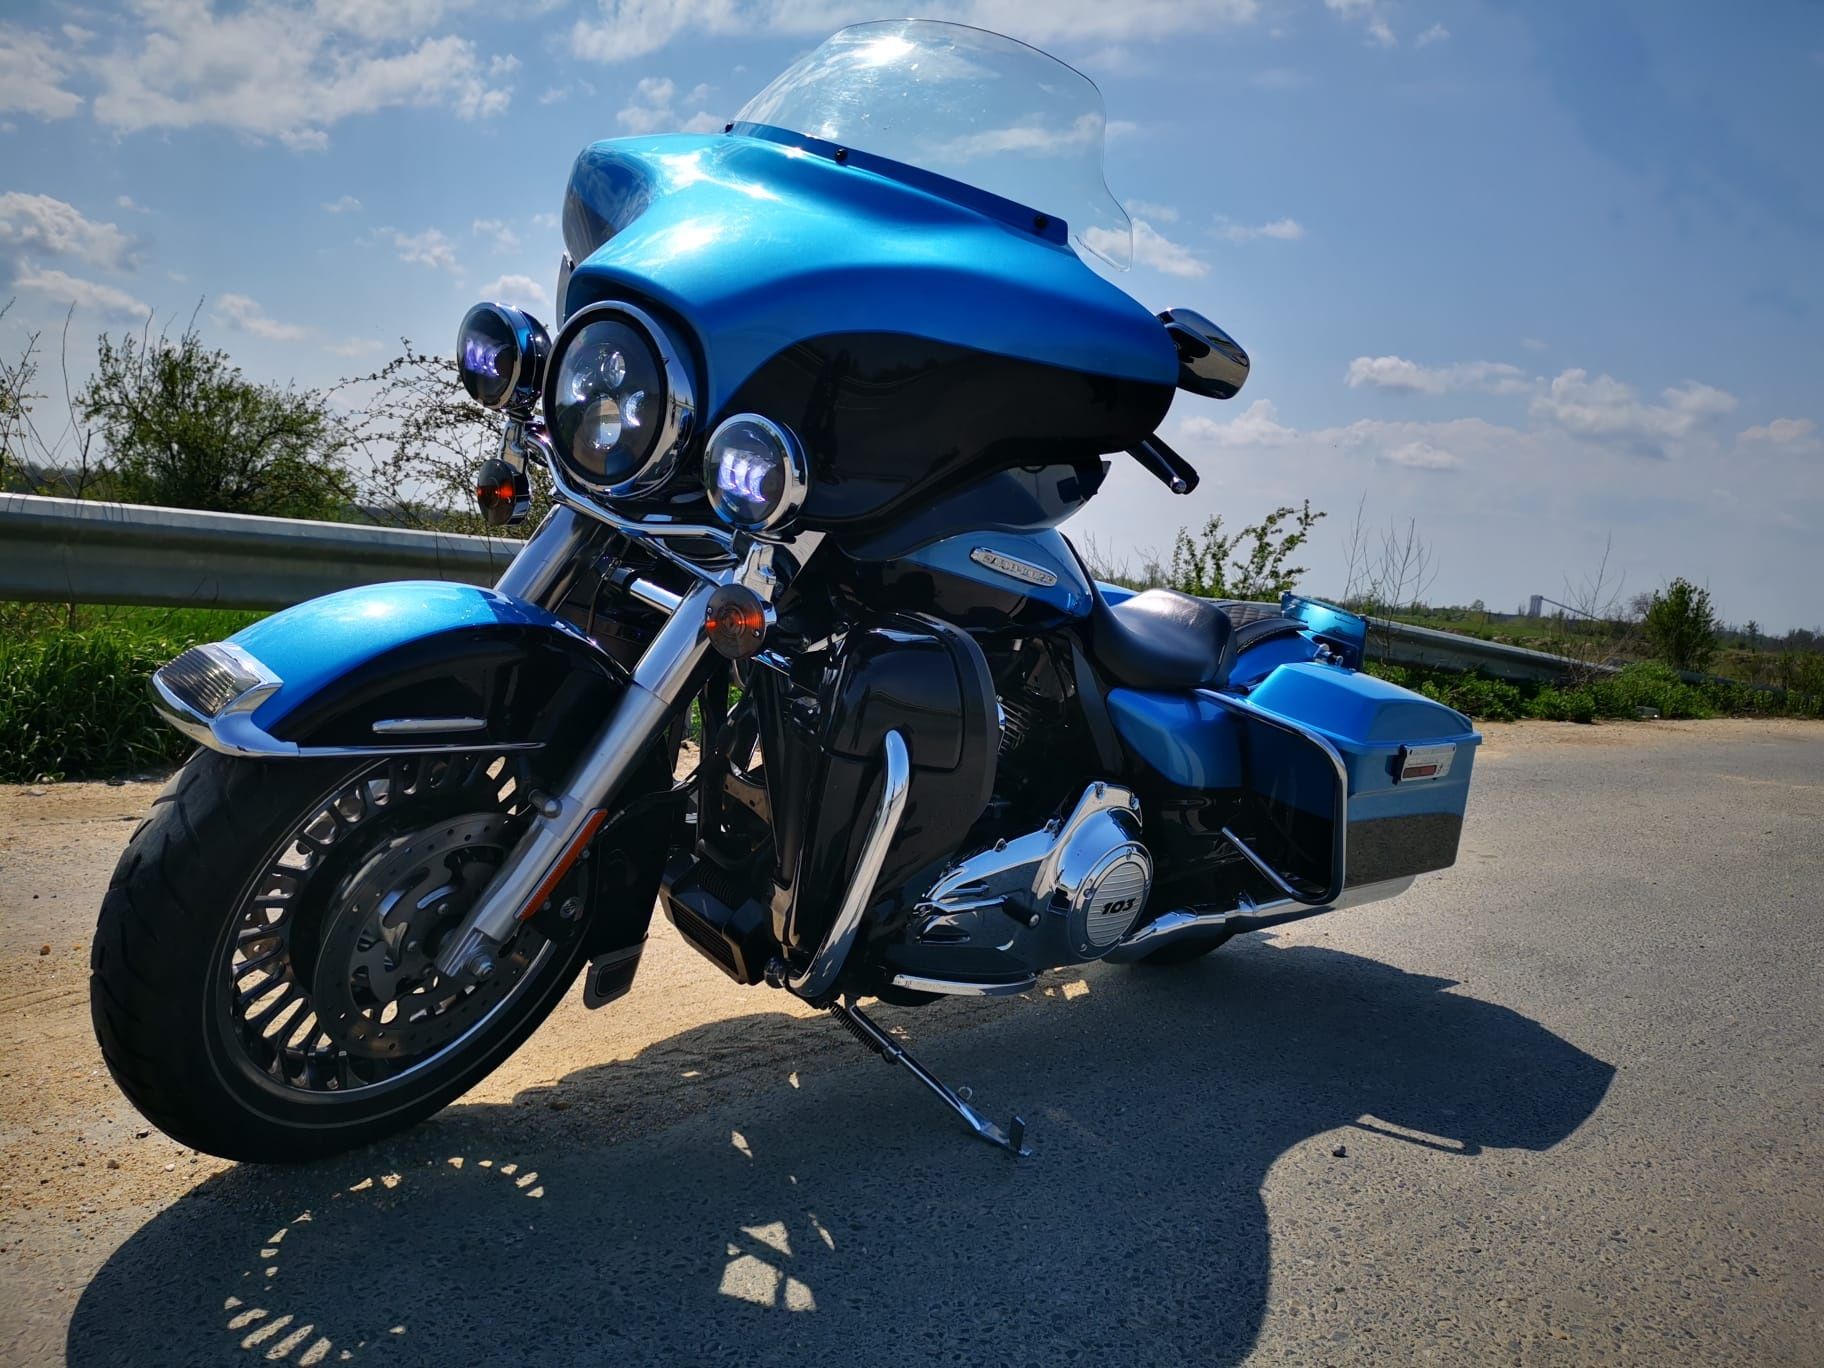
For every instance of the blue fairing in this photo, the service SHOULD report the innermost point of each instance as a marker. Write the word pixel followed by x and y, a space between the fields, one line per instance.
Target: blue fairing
pixel 755 244
pixel 314 644
pixel 1069 595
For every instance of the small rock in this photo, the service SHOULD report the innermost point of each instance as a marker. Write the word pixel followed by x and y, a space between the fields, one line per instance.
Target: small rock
pixel 35 792
pixel 141 1134
pixel 117 783
pixel 44 949
pixel 170 1168
pixel 113 1163
pixel 558 1104
pixel 1340 1152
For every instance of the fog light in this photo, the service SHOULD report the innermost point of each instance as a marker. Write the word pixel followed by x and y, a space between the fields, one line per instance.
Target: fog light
pixel 500 355
pixel 736 620
pixel 755 473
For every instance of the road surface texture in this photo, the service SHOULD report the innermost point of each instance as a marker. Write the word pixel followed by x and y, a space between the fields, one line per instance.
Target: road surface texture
pixel 1559 1105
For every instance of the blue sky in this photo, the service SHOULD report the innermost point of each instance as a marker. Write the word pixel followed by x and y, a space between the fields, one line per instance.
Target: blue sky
pixel 1534 274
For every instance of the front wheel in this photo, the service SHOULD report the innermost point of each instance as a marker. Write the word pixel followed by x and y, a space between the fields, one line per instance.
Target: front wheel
pixel 262 982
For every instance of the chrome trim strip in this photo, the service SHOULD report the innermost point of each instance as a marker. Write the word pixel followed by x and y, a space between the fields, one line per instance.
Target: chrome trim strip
pixel 819 976
pixel 962 987
pixel 235 733
pixel 416 726
pixel 1168 928
pixel 1339 842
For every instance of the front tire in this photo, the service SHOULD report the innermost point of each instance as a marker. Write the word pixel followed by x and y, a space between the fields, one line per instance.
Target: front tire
pixel 260 981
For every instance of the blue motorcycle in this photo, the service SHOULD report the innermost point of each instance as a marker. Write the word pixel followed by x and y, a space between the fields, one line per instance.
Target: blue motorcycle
pixel 822 390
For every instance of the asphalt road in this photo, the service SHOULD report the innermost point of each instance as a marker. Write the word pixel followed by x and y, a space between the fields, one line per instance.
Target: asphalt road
pixel 1560 1105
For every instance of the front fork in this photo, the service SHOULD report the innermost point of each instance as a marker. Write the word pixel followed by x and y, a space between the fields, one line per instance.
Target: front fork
pixel 564 823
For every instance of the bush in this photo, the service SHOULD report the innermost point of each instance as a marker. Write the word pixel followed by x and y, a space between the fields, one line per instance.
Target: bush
pixel 1681 625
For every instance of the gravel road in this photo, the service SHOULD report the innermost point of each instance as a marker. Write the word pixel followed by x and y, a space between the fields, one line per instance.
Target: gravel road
pixel 1559 1105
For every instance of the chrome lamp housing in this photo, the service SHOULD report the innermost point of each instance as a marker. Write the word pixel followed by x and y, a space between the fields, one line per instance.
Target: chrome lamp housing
pixel 501 354
pixel 620 406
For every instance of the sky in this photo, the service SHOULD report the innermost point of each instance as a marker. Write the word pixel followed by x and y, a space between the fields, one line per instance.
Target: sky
pixel 1536 276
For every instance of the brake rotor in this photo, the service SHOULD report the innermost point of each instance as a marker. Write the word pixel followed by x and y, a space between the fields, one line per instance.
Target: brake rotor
pixel 377 991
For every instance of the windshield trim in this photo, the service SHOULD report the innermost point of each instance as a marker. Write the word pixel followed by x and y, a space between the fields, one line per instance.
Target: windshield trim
pixel 1031 219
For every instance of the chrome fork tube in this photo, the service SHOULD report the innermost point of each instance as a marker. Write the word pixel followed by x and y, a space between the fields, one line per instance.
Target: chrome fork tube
pixel 565 823
pixel 534 573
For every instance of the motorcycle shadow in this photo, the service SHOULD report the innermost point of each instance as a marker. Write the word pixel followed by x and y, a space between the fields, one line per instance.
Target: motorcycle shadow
pixel 843 1213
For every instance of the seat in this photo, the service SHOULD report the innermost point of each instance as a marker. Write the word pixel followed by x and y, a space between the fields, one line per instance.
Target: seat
pixel 1162 639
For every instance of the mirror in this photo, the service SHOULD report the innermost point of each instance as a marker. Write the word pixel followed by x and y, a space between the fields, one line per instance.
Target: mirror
pixel 1210 362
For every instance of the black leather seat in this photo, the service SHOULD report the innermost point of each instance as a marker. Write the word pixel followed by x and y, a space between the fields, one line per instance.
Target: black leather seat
pixel 1162 639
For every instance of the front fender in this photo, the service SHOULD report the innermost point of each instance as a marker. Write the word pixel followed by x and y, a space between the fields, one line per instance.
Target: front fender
pixel 391 668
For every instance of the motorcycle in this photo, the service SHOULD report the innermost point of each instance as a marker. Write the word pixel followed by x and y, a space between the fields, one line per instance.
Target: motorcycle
pixel 822 390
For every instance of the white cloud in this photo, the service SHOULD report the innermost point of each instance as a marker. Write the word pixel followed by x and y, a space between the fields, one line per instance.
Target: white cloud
pixel 1782 432
pixel 544 220
pixel 1437 33
pixel 1152 211
pixel 519 290
pixel 1409 377
pixel 287 72
pixel 354 347
pixel 502 233
pixel 653 109
pixel 1257 426
pixel 39 223
pixel 429 248
pixel 32 73
pixel 66 290
pixel 1603 409
pixel 1423 456
pixel 1378 30
pixel 1380 34
pixel 626 30
pixel 347 204
pixel 1280 230
pixel 243 314
pixel 1152 248
pixel 1533 344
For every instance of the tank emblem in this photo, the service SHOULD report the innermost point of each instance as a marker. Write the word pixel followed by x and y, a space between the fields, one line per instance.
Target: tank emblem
pixel 1010 565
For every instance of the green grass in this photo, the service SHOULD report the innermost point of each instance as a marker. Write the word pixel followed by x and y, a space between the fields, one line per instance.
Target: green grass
pixel 73 698
pixel 1625 694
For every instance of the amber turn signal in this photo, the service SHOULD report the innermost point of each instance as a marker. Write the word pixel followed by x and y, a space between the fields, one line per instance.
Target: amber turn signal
pixel 736 621
pixel 502 493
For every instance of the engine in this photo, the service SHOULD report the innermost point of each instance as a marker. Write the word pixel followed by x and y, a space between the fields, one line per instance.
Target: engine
pixel 1060 895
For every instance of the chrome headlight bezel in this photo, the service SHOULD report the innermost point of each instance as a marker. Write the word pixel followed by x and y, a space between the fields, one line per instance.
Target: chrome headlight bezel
pixel 676 419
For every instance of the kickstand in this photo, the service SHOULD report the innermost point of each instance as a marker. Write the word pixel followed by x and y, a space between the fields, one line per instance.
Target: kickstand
pixel 1013 1139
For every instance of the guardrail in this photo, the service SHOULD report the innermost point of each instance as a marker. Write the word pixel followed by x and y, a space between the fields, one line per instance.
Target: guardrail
pixel 81 551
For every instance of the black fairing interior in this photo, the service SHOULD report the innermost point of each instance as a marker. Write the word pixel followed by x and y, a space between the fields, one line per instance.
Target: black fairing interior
pixel 1162 639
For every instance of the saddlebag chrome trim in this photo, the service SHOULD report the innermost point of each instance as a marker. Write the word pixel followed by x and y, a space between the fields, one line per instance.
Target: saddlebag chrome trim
pixel 418 726
pixel 1339 840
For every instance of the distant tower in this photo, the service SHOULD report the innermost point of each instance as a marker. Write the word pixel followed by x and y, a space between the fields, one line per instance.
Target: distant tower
pixel 1536 605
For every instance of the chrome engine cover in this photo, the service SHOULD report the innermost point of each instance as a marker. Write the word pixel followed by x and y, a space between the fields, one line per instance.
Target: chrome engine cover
pixel 1069 891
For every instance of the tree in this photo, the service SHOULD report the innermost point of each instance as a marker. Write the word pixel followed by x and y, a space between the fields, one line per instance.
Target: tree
pixel 1681 625
pixel 1249 564
pixel 421 440
pixel 184 428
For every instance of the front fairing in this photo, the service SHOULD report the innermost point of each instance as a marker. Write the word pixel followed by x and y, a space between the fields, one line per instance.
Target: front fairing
pixel 916 333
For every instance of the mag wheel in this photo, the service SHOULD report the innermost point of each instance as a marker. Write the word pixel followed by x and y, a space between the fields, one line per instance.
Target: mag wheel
pixel 263 980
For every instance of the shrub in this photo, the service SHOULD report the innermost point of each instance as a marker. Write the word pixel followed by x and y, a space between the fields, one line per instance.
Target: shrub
pixel 1681 625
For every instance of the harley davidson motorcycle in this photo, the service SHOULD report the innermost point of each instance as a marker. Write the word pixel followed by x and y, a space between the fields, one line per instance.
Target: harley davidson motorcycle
pixel 822 389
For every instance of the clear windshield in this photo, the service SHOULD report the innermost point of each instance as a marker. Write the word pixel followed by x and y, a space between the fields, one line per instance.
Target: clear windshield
pixel 963 103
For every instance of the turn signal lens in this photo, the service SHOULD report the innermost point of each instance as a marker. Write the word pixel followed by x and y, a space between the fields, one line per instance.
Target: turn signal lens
pixel 502 493
pixel 736 621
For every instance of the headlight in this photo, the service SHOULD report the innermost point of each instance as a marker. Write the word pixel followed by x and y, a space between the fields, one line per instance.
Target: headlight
pixel 755 473
pixel 618 401
pixel 500 353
